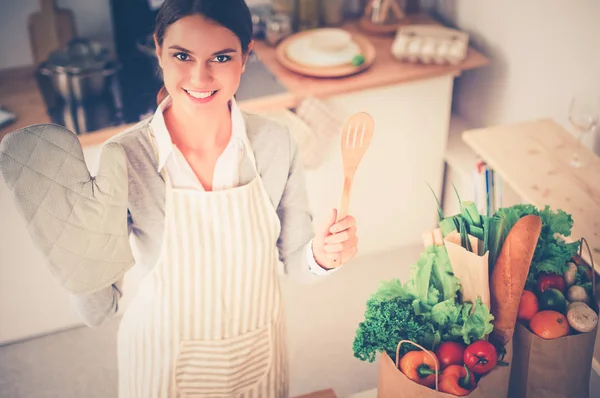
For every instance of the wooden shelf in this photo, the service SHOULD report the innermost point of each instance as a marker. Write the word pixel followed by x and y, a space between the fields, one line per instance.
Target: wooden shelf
pixel 533 158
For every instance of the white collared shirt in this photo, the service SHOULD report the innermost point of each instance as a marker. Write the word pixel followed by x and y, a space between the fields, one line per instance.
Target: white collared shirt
pixel 227 169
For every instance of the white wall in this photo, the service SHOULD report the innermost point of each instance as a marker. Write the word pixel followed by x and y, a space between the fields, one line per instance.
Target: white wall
pixel 542 51
pixel 92 20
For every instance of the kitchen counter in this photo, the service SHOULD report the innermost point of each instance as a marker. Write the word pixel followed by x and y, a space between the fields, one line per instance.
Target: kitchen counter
pixel 19 93
pixel 386 70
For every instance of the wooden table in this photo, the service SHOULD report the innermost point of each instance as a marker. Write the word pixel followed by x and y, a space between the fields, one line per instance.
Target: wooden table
pixel 533 157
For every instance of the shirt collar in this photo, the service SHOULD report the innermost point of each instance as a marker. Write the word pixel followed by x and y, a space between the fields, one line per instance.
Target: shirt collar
pixel 162 138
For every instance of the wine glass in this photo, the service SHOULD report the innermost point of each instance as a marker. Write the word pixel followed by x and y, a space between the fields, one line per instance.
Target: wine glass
pixel 583 116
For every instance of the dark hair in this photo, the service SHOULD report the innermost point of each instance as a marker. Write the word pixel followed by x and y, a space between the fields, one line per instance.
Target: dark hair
pixel 231 14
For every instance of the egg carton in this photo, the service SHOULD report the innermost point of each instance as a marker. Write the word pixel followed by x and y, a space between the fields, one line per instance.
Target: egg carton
pixel 429 44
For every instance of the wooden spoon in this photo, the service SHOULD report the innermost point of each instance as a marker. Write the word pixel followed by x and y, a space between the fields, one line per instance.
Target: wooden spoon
pixel 356 137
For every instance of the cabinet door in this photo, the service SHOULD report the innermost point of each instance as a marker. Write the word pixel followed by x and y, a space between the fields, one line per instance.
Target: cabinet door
pixel 391 199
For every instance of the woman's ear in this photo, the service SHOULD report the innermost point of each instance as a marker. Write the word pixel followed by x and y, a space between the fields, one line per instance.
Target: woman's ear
pixel 250 46
pixel 158 50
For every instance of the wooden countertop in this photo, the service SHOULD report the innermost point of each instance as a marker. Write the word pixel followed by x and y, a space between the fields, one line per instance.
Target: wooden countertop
pixel 533 158
pixel 19 92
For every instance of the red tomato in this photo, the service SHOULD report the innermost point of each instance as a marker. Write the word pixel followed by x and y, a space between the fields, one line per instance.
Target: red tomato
pixel 546 281
pixel 481 357
pixel 450 353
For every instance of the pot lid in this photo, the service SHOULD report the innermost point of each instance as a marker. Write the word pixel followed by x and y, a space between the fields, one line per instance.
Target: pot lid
pixel 78 56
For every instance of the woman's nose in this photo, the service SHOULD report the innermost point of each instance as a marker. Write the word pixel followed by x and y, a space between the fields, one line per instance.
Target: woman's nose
pixel 201 75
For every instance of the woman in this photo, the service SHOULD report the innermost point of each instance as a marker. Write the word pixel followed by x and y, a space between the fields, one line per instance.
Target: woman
pixel 217 205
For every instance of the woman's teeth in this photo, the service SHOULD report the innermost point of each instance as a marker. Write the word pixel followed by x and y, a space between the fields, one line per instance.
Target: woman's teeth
pixel 201 94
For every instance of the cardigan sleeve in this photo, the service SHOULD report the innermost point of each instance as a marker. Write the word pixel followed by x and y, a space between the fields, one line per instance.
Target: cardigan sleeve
pixel 295 238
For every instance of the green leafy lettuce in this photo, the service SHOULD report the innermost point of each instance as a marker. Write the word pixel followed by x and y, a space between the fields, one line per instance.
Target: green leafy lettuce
pixel 425 310
pixel 431 279
pixel 551 253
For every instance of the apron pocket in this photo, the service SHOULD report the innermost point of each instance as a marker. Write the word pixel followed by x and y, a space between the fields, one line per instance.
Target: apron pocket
pixel 223 368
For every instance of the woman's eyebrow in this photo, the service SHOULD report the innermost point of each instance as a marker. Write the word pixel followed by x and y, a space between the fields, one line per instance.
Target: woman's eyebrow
pixel 176 47
pixel 225 51
pixel 220 52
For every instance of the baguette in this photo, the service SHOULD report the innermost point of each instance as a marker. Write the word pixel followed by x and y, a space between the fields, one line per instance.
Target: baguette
pixel 510 274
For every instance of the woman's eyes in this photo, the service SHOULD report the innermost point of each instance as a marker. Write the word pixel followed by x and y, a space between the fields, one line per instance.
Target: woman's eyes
pixel 221 58
pixel 181 56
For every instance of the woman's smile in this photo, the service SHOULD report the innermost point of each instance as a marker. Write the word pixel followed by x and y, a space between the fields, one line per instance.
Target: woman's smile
pixel 201 96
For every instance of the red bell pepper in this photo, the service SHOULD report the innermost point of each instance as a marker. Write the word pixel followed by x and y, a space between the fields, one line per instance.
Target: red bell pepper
pixel 457 380
pixel 420 367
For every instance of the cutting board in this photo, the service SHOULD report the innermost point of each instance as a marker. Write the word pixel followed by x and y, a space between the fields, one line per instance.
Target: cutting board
pixel 49 29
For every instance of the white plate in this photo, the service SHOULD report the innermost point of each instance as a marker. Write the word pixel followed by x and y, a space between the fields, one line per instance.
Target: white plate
pixel 327 47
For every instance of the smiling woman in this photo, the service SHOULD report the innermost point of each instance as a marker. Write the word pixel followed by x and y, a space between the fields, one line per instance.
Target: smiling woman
pixel 217 206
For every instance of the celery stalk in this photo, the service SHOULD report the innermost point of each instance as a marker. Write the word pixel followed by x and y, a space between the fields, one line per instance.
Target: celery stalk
pixel 469 211
pixel 486 235
pixel 464 236
pixel 447 225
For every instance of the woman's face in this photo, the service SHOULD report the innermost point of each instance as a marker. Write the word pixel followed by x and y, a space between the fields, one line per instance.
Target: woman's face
pixel 202 63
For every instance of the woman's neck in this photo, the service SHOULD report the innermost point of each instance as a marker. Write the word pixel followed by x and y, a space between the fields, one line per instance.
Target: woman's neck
pixel 198 132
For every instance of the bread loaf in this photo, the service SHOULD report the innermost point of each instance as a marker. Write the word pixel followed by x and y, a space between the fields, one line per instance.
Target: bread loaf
pixel 510 274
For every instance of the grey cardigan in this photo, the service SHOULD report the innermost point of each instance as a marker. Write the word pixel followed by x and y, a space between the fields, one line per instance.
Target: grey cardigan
pixel 278 164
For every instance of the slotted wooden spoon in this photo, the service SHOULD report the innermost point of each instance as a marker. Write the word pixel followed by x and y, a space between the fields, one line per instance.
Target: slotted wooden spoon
pixel 356 137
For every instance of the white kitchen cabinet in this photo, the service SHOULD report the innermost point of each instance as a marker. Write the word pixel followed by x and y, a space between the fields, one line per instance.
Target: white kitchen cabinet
pixel 391 199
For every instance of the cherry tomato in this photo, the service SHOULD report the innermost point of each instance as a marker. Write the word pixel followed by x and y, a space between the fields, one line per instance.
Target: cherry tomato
pixel 481 357
pixel 450 353
pixel 546 281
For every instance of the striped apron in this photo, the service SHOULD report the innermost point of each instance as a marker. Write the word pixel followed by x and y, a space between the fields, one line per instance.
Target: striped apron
pixel 207 321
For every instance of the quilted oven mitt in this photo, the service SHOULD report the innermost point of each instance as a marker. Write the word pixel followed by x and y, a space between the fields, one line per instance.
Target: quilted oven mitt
pixel 79 222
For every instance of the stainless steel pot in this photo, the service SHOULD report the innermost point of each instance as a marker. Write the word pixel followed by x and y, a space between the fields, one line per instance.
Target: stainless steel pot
pixel 80 71
pixel 80 87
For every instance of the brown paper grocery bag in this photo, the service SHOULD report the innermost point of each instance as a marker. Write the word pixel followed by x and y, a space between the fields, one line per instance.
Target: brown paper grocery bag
pixel 557 368
pixel 470 268
pixel 392 383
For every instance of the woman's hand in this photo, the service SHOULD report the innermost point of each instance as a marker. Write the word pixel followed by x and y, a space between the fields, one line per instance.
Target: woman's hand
pixel 336 241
